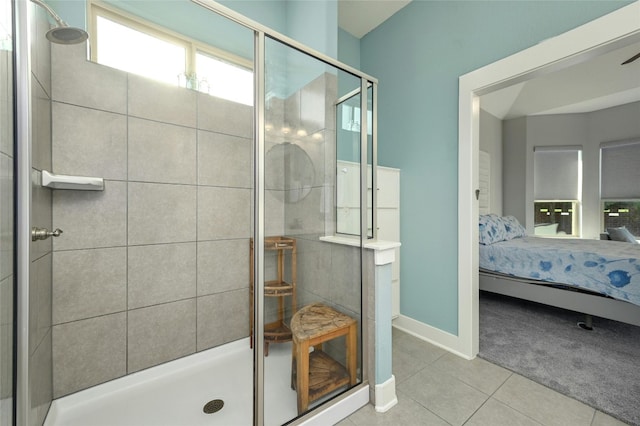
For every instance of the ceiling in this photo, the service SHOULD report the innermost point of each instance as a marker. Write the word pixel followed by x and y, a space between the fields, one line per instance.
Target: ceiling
pixel 599 83
pixel 358 17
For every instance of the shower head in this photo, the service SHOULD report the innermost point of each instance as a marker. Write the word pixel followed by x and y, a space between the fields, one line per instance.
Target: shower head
pixel 67 35
pixel 62 33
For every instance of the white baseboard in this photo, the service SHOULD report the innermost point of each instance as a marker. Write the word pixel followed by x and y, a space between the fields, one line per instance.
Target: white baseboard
pixel 386 395
pixel 433 335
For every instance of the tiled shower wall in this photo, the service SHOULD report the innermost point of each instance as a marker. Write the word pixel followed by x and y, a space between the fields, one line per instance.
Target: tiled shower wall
pixel 155 267
pixel 40 331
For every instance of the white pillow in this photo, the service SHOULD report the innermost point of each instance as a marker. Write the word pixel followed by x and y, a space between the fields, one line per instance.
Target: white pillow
pixel 621 234
pixel 513 228
pixel 492 229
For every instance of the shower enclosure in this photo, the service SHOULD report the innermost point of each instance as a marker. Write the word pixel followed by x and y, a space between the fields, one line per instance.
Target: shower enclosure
pixel 162 282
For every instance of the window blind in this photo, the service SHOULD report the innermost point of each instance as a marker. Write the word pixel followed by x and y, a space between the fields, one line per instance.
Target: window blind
pixel 620 170
pixel 557 173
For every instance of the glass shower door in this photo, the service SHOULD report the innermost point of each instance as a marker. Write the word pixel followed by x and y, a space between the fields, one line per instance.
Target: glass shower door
pixel 313 299
pixel 6 216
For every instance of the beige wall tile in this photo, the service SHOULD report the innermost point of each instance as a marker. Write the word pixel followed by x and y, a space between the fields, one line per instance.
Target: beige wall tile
pixel 223 213
pixel 91 219
pixel 6 216
pixel 39 301
pixel 6 102
pixel 41 385
pixel 305 216
pixel 88 352
pixel 211 320
pixel 160 101
pixel 345 286
pixel 222 116
pixel 161 333
pixel 6 302
pixel 41 212
pixel 75 80
pixel 235 305
pixel 89 142
pixel 40 127
pixel 40 47
pixel 224 160
pixel 314 267
pixel 89 283
pixel 162 153
pixel 273 213
pixel 161 273
pixel 222 266
pixel 161 213
pixel 314 114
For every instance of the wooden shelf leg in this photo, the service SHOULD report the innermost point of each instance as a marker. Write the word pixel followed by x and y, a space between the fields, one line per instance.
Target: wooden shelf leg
pixel 352 349
pixel 302 376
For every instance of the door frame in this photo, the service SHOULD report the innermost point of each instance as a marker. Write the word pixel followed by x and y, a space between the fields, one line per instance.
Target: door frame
pixel 595 38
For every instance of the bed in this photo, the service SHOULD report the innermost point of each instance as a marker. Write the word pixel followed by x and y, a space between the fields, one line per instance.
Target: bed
pixel 594 277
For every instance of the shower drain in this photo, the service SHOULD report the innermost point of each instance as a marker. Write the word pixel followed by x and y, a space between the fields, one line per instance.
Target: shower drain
pixel 213 406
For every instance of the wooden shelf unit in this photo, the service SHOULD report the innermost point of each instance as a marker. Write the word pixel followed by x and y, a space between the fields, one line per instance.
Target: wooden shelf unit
pixel 277 331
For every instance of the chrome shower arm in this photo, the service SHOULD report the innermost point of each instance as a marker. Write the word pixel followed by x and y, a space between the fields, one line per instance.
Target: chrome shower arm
pixel 53 14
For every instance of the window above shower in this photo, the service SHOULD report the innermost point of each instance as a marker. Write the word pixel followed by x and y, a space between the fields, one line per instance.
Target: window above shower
pixel 124 41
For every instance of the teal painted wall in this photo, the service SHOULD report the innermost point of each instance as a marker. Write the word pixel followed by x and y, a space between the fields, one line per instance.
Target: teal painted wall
pixel 418 55
pixel 312 22
pixel 315 24
pixel 348 49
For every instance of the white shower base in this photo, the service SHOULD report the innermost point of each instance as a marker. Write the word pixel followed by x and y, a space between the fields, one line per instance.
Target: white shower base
pixel 174 394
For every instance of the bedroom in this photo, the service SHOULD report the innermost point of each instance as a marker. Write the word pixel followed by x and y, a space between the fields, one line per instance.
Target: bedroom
pixel 548 145
pixel 580 124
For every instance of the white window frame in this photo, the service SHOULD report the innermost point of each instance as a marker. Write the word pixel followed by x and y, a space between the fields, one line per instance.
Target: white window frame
pixel 97 8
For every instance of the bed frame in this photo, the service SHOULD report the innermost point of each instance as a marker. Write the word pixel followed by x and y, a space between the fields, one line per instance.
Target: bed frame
pixel 587 303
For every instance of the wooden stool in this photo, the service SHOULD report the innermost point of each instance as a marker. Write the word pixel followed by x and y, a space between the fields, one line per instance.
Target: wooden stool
pixel 316 374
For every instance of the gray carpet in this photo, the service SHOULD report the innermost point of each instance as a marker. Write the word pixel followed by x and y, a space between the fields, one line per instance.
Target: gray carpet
pixel 600 368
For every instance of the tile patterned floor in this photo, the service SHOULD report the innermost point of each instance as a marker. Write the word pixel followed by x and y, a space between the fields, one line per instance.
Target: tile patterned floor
pixel 435 387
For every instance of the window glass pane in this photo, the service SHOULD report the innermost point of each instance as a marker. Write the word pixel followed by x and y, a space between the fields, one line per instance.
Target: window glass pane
pixel 622 213
pixel 224 80
pixel 555 218
pixel 133 51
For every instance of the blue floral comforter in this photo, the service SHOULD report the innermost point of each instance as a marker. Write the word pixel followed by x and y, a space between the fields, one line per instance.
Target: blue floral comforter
pixel 606 267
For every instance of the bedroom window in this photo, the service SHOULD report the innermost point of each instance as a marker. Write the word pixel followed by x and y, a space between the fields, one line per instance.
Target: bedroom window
pixel 619 189
pixel 622 213
pixel 557 190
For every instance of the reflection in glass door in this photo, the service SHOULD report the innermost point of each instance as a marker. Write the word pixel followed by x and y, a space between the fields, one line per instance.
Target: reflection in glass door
pixel 6 215
pixel 312 304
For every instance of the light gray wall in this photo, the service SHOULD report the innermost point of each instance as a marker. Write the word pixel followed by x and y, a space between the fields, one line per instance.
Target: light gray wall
pixel 491 142
pixel 588 130
pixel 514 155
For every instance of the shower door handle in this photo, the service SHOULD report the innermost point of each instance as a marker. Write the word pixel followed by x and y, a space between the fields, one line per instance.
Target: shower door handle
pixel 44 233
